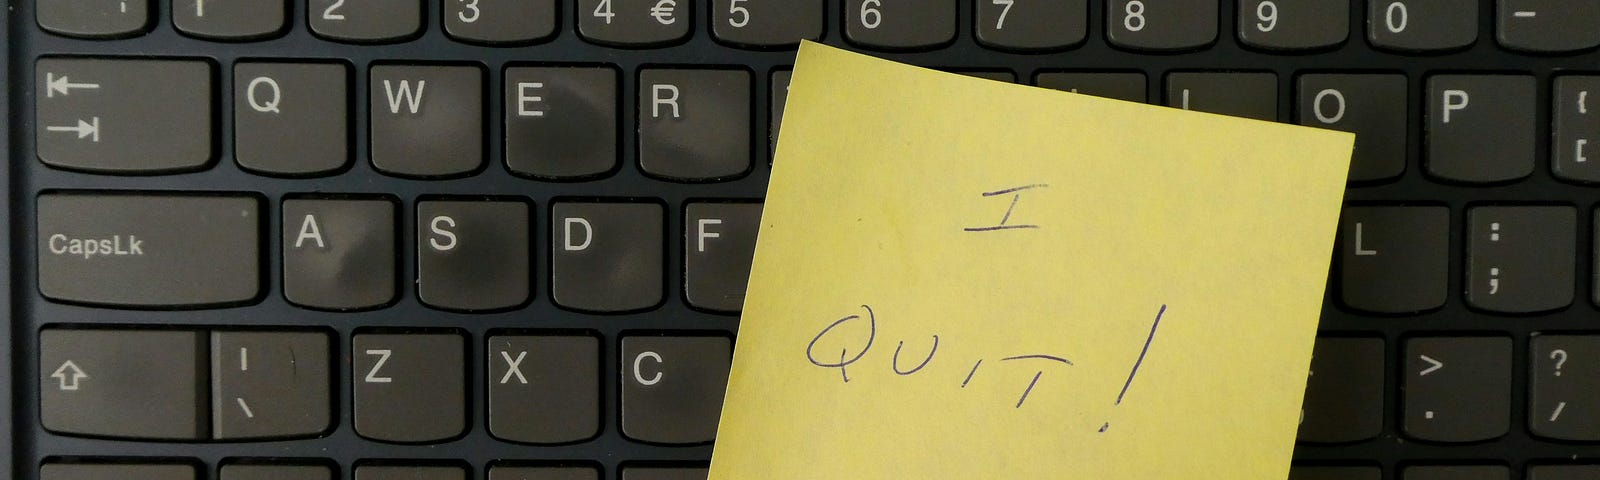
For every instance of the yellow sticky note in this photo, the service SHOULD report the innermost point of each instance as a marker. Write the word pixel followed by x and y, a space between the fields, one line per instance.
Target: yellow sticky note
pixel 963 279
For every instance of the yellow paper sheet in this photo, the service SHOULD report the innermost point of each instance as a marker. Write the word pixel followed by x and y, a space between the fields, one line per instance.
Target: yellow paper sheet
pixel 956 242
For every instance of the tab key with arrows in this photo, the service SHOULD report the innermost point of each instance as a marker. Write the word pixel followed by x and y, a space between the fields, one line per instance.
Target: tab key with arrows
pixel 124 116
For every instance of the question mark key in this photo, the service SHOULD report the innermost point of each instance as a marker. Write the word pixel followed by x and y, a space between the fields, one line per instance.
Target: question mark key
pixel 1564 373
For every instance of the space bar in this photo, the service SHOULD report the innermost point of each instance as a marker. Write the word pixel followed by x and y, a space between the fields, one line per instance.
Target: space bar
pixel 148 251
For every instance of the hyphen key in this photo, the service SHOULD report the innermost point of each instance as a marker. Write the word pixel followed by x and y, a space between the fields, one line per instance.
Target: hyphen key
pixel 148 250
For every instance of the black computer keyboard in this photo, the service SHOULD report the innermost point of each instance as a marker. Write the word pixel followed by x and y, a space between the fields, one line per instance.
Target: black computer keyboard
pixel 507 239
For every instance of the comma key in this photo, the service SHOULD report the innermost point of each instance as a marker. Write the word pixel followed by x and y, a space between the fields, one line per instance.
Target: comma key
pixel 148 250
pixel 1344 394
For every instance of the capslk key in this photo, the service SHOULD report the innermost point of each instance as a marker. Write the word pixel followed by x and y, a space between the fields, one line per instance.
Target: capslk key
pixel 148 250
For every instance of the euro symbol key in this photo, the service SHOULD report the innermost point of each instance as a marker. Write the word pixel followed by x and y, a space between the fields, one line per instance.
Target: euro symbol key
pixel 663 11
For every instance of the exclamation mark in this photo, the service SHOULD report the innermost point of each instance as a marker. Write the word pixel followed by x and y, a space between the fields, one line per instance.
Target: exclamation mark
pixel 1138 362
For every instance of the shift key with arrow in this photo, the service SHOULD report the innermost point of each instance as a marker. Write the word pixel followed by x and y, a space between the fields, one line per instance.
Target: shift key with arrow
pixel 124 116
pixel 133 384
pixel 1457 389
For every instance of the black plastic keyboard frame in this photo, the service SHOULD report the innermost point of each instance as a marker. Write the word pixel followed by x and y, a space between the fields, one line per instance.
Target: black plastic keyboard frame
pixel 25 177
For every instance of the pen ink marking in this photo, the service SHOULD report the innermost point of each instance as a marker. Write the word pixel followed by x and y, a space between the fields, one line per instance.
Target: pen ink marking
pixel 896 362
pixel 971 372
pixel 1029 390
pixel 1142 352
pixel 1040 357
pixel 842 373
pixel 872 325
pixel 1015 197
pixel 1014 189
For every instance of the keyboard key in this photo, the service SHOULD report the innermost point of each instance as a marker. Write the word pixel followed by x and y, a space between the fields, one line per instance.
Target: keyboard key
pixel 665 473
pixel 1547 25
pixel 1248 95
pixel 498 472
pixel 544 389
pixel 1480 128
pixel 339 254
pixel 473 255
pixel 1335 473
pixel 427 121
pixel 94 19
pixel 672 387
pixel 1161 25
pixel 1344 392
pixel 719 242
pixel 148 250
pixel 499 21
pixel 995 75
pixel 779 91
pixel 408 388
pixel 1564 375
pixel 275 472
pixel 269 385
pixel 1394 259
pixel 766 23
pixel 1484 472
pixel 365 21
pixel 1293 24
pixel 900 24
pixel 1371 106
pixel 1422 25
pixel 122 384
pixel 380 472
pixel 1563 472
pixel 1032 24
pixel 1577 128
pixel 1457 389
pixel 226 20
pixel 306 102
pixel 1118 85
pixel 124 116
pixel 606 257
pixel 694 124
pixel 634 23
pixel 1521 259
pixel 68 471
pixel 561 123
